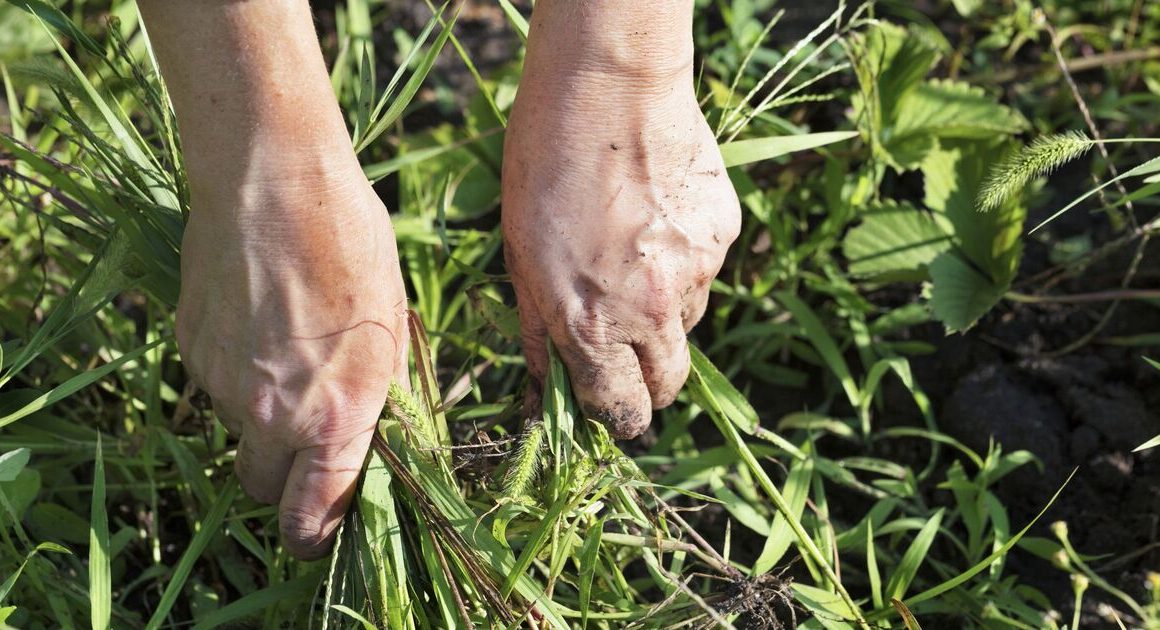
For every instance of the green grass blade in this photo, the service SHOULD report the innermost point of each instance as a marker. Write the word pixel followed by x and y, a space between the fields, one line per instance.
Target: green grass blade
pixel 707 399
pixel 75 384
pixel 1147 168
pixel 749 151
pixel 781 535
pixel 872 572
pixel 517 19
pixel 450 503
pixel 535 543
pixel 54 17
pixel 910 623
pixel 132 144
pixel 7 584
pixel 363 621
pixel 907 568
pixel 589 558
pixel 209 527
pixel 258 602
pixel 821 340
pixel 400 102
pixel 100 564
pixel 982 565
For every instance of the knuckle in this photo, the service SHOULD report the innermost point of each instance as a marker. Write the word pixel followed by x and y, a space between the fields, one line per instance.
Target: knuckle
pixel 341 418
pixel 665 389
pixel 730 219
pixel 665 397
pixel 587 332
pixel 259 406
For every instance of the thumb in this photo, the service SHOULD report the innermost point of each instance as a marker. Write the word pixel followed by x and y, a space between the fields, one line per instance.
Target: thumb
pixel 318 491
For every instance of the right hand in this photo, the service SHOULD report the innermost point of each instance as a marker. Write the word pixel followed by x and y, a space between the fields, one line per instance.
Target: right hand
pixel 293 318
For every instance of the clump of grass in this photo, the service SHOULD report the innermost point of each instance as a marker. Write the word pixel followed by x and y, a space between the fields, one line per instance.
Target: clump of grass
pixel 1042 157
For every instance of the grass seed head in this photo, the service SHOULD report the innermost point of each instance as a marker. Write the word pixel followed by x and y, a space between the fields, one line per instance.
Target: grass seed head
pixel 1012 175
pixel 525 464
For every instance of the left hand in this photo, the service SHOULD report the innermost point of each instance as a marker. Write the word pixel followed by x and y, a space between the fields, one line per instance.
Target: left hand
pixel 617 214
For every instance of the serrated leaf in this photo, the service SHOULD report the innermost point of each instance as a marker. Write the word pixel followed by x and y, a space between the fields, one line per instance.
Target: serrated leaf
pixel 953 174
pixel 950 109
pixel 889 63
pixel 908 115
pixel 960 293
pixel 895 237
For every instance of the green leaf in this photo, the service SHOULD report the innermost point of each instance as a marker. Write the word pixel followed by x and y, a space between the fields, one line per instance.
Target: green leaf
pixel 1147 168
pixel 732 403
pixel 758 149
pixel 908 567
pixel 707 398
pixel 895 238
pixel 954 173
pixel 442 496
pixel 366 624
pixel 980 566
pixel 589 557
pixel 258 602
pixel 872 572
pixel 829 610
pixel 75 384
pixel 100 563
pixel 12 462
pixel 781 535
pixel 10 581
pixel 61 22
pixel 960 294
pixel 819 337
pixel 384 537
pixel 208 529
pixel 890 62
pixel 400 102
pixel 516 18
pixel 908 619
pixel 950 109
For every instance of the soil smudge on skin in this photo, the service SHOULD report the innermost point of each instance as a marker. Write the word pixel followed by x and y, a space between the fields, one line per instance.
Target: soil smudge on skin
pixel 622 420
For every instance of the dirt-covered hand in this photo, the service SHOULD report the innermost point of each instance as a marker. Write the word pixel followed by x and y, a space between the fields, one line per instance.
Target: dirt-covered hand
pixel 292 306
pixel 617 213
pixel 292 318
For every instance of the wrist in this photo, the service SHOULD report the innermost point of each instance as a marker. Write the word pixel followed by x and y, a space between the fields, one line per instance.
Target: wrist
pixel 612 43
pixel 280 184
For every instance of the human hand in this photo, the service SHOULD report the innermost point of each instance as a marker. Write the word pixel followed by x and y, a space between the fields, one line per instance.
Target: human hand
pixel 617 214
pixel 292 306
pixel 292 318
